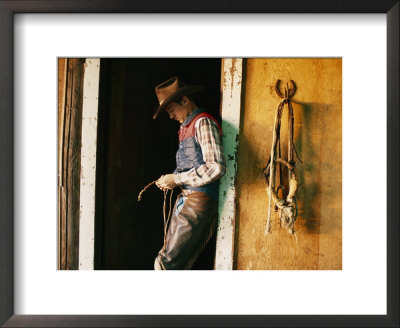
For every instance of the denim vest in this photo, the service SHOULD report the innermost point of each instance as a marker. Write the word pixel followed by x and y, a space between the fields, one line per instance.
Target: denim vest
pixel 189 154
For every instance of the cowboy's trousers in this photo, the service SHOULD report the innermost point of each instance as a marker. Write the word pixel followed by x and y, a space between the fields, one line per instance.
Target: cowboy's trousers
pixel 192 224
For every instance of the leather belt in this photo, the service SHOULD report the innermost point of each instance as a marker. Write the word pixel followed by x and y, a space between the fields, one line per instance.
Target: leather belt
pixel 186 192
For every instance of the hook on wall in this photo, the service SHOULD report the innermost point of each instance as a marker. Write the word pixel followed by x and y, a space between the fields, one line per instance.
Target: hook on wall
pixel 289 91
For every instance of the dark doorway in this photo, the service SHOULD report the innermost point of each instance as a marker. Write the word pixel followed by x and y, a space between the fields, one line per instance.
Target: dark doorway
pixel 134 150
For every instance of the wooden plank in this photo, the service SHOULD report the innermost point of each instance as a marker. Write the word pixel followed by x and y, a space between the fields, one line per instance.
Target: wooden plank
pixel 71 166
pixel 62 78
pixel 230 112
pixel 88 163
pixel 65 137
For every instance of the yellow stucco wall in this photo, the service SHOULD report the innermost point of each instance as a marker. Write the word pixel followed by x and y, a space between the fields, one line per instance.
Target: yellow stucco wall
pixel 317 107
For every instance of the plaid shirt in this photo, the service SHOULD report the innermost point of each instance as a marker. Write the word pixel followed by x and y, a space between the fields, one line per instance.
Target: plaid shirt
pixel 209 139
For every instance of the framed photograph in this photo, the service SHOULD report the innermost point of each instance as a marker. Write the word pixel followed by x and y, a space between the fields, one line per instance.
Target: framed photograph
pixel 86 258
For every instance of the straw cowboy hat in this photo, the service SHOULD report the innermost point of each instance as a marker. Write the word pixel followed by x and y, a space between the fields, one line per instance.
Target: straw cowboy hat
pixel 171 90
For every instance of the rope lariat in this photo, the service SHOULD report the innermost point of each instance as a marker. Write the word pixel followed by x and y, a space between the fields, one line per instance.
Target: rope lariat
pixel 166 218
pixel 144 189
pixel 287 207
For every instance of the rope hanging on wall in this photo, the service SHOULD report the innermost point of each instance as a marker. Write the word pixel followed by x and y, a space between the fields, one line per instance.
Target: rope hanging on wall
pixel 286 207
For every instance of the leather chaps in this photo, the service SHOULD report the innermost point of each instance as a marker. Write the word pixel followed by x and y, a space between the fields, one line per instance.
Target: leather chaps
pixel 192 224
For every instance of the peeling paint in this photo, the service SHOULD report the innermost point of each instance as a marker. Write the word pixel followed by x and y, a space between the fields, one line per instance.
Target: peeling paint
pixel 232 71
pixel 88 170
pixel 231 106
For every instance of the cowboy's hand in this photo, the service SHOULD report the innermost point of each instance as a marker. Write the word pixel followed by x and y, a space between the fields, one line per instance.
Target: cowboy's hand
pixel 166 182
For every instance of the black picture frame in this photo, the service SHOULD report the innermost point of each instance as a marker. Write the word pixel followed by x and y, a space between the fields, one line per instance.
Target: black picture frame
pixel 11 7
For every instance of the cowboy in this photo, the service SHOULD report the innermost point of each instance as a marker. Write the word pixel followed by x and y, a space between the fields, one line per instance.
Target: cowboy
pixel 200 165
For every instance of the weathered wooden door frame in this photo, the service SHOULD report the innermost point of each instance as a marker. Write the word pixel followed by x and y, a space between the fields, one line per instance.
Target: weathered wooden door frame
pixel 231 90
pixel 88 163
pixel 70 127
pixel 78 97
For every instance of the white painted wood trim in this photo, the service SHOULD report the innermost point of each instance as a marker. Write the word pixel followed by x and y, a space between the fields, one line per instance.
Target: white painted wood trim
pixel 88 163
pixel 231 107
